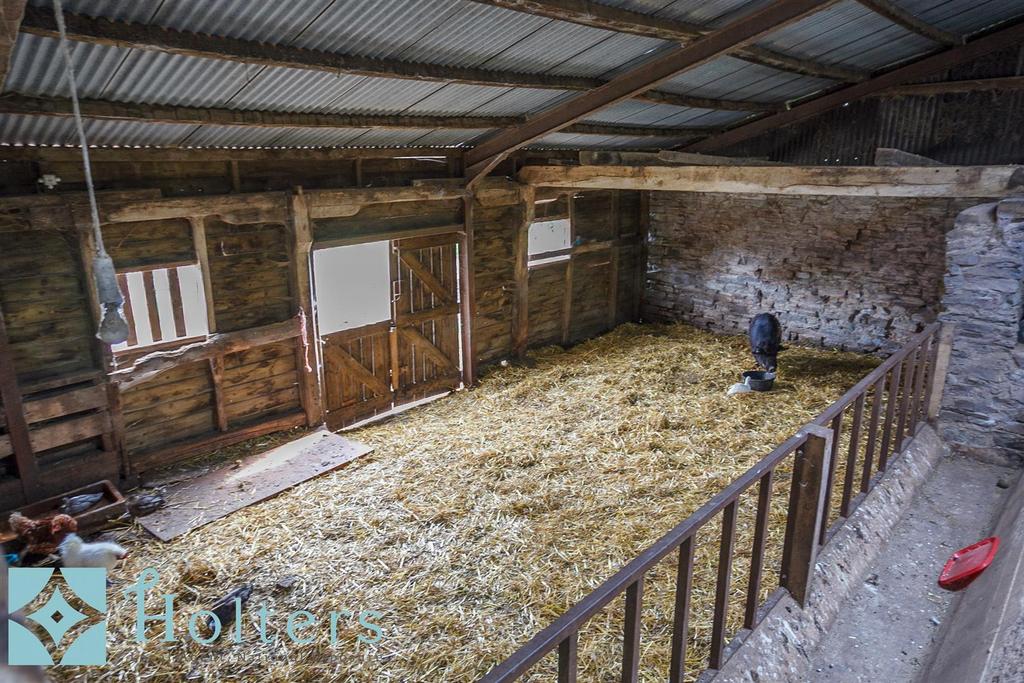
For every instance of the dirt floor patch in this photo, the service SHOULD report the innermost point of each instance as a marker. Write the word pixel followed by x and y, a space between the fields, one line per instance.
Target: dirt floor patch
pixel 480 518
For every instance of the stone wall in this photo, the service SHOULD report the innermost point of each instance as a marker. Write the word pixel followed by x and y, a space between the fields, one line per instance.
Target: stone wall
pixel 983 406
pixel 858 273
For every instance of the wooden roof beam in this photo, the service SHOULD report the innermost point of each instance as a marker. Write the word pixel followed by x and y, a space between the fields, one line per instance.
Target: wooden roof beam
pixel 999 39
pixel 848 181
pixel 113 155
pixel 86 29
pixel 911 22
pixel 154 113
pixel 596 15
pixel 482 158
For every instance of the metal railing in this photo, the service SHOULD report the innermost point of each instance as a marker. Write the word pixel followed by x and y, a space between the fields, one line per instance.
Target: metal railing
pixel 902 393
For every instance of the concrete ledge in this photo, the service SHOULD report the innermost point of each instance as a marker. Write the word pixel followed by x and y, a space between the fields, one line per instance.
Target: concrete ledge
pixel 984 639
pixel 777 650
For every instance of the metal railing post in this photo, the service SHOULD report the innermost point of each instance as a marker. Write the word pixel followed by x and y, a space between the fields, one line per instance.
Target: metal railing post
pixel 806 515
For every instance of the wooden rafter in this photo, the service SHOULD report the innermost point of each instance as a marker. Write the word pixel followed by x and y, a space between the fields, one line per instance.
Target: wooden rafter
pixel 911 22
pixel 1002 38
pixel 597 15
pixel 86 29
pixel 482 158
pixel 849 181
pixel 64 154
pixel 12 103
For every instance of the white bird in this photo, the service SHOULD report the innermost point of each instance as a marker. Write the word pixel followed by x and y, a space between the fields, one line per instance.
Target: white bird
pixel 74 552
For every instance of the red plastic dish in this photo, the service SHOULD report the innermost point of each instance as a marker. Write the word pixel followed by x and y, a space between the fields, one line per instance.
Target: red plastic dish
pixel 966 564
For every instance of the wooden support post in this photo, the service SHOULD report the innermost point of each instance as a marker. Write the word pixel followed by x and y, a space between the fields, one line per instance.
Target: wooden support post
pixel 613 287
pixel 203 256
pixel 236 179
pixel 306 352
pixel 114 440
pixel 613 262
pixel 357 171
pixel 521 321
pixel 217 381
pixel 567 296
pixel 467 293
pixel 640 277
pixel 938 385
pixel 118 433
pixel 806 512
pixel 17 426
pixel 567 303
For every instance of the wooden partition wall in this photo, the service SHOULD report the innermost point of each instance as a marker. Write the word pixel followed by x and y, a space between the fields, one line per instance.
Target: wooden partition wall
pixel 75 412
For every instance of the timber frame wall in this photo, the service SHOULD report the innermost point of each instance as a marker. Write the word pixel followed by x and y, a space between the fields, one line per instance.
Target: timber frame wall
pixel 74 413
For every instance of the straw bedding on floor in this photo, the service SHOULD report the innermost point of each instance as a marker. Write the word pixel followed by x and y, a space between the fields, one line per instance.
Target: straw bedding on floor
pixel 480 518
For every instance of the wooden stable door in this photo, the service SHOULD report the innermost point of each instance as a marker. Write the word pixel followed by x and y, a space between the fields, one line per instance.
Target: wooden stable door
pixel 426 317
pixel 413 355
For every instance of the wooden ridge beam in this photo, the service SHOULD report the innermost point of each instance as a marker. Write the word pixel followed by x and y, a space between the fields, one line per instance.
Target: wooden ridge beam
pixel 12 103
pixel 999 39
pixel 596 15
pixel 850 181
pixel 101 31
pixel 911 22
pixel 482 158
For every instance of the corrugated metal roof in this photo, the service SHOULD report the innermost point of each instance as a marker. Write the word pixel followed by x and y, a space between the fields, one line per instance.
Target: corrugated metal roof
pixel 649 113
pixel 37 67
pixel 57 130
pixel 450 33
pixel 964 16
pixel 703 12
pixel 850 34
pixel 730 78
pixel 574 141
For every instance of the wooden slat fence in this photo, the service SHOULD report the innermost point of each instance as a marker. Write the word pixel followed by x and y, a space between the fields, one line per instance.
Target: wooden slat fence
pixel 836 460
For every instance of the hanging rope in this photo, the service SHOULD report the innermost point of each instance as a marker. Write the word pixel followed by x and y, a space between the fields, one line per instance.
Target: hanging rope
pixel 113 327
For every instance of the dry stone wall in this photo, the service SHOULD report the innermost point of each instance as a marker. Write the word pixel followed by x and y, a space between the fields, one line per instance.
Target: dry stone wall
pixel 857 273
pixel 983 406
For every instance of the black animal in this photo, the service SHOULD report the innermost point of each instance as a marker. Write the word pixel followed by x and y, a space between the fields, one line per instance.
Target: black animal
pixel 766 340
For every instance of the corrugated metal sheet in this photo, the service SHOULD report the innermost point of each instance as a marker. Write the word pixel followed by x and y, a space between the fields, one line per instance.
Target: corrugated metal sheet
pixel 523 101
pixel 964 129
pixel 37 67
pixel 318 137
pixel 574 141
pixel 731 78
pixel 56 130
pixel 449 137
pixel 457 32
pixel 162 78
pixel 458 100
pixel 709 12
pixel 964 16
pixel 850 34
pixel 298 90
pixel 647 113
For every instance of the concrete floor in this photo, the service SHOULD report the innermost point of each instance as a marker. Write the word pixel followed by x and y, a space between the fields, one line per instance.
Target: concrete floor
pixel 887 628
